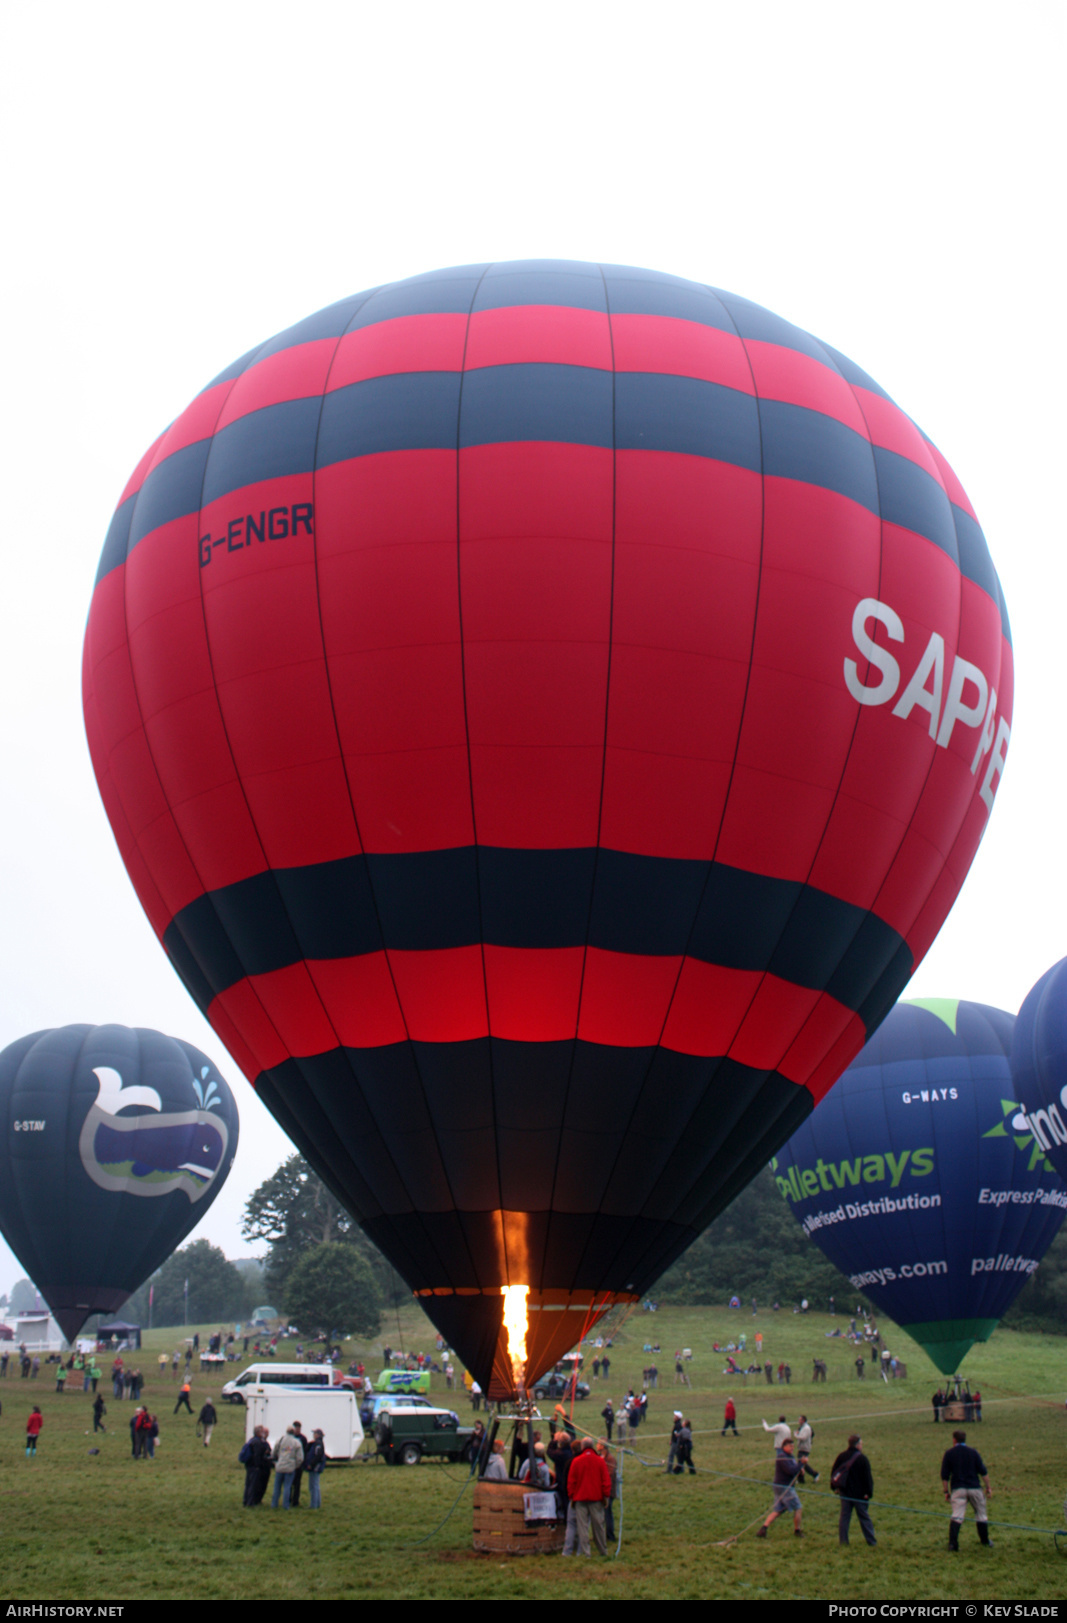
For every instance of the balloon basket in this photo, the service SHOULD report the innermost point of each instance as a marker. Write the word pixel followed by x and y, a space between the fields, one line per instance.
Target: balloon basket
pixel 500 1525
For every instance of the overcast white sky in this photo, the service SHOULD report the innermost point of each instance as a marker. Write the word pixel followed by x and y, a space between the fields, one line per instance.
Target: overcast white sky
pixel 180 182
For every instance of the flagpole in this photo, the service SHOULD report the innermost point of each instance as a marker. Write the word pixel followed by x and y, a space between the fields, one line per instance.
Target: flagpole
pixel 187 1304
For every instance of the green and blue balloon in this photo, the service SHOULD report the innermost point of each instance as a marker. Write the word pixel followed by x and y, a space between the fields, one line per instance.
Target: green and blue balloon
pixel 920 1178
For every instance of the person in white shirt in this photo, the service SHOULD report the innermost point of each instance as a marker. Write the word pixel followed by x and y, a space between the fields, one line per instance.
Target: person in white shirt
pixel 804 1440
pixel 781 1431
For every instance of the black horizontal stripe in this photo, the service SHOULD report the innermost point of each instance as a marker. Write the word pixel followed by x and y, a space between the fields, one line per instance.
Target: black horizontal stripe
pixel 117 540
pixel 647 293
pixel 267 444
pixel 424 1142
pixel 914 499
pixel 406 411
pixel 853 374
pixel 817 450
pixel 430 901
pixel 567 405
pixel 976 564
pixel 171 491
pixel 562 403
pixel 504 286
pixel 656 412
pixel 763 326
pixel 439 293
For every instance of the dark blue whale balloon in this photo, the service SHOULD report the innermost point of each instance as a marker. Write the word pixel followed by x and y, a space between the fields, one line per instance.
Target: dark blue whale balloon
pixel 1039 1063
pixel 918 1178
pixel 113 1144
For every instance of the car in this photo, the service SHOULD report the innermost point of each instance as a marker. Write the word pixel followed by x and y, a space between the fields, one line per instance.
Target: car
pixel 300 1376
pixel 408 1433
pixel 555 1385
pixel 373 1406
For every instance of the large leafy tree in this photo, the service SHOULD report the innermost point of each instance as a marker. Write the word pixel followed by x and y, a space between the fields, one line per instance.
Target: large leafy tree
pixel 295 1213
pixel 216 1288
pixel 331 1291
pixel 756 1248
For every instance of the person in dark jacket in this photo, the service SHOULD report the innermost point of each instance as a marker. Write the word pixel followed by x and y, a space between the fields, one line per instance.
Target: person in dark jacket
pixel 207 1420
pixel 607 1415
pixel 314 1465
pixel 788 1472
pixel 850 1476
pixel 99 1411
pixel 258 1464
pixel 963 1475
pixel 559 1452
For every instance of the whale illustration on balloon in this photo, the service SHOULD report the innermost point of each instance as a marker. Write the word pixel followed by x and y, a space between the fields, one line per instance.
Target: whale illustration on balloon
pixel 151 1155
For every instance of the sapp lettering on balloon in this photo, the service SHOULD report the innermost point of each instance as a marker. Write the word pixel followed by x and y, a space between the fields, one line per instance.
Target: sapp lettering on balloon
pixel 277 524
pixel 924 690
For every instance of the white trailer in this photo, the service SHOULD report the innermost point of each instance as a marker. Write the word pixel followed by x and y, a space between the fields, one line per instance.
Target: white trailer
pixel 333 1410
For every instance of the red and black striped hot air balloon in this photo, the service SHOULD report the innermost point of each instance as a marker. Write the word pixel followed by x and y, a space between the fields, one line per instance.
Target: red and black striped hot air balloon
pixel 547 711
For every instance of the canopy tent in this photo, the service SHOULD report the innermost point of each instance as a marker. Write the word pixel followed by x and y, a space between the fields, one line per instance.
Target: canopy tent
pixel 118 1331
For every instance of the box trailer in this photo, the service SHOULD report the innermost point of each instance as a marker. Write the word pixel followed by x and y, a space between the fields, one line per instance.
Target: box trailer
pixel 333 1410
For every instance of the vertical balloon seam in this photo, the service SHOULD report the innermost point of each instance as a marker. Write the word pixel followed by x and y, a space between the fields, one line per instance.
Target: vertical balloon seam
pixel 961 829
pixel 34 1267
pixel 344 1048
pixel 10 1171
pixel 115 1212
pixel 580 1258
pixel 833 368
pixel 920 907
pixel 325 1156
pixel 639 1093
pixel 133 677
pixel 251 359
pixel 831 365
pixel 478 1272
pixel 268 867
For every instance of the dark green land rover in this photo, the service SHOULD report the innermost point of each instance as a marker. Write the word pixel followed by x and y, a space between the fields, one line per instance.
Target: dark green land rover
pixel 405 1435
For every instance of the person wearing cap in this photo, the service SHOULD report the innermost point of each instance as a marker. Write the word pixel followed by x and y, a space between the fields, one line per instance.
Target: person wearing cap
pixel 589 1488
pixel 314 1464
pixel 787 1473
pixel 496 1470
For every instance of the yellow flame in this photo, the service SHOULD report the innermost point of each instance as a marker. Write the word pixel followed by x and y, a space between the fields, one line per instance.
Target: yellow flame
pixel 515 1321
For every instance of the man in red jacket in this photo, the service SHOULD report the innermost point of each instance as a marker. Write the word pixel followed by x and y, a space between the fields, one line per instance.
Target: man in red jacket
pixel 730 1418
pixel 588 1489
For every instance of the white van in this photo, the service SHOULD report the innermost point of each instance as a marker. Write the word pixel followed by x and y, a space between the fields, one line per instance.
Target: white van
pixel 300 1377
pixel 334 1411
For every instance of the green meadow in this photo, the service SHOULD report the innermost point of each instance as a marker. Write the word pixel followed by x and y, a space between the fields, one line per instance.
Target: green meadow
pixel 83 1526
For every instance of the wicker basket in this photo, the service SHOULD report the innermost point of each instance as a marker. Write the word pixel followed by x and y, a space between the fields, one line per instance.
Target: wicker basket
pixel 500 1527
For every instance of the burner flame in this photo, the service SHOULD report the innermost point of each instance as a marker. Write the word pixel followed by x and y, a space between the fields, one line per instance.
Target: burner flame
pixel 515 1323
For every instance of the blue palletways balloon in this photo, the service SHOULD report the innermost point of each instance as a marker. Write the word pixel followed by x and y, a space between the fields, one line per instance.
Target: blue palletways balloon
pixel 1039 1063
pixel 918 1177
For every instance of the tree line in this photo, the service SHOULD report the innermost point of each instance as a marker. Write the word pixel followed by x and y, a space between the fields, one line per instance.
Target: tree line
pixel 324 1274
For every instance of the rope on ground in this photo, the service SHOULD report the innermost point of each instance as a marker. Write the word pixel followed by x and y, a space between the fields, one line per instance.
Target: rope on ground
pixel 441 1523
pixel 882 1504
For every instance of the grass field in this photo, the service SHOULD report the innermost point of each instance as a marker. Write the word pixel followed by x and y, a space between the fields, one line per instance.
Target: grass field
pixel 78 1526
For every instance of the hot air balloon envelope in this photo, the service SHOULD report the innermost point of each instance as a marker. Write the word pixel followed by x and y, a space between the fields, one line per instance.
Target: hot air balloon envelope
pixel 546 710
pixel 917 1179
pixel 1039 1063
pixel 115 1144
